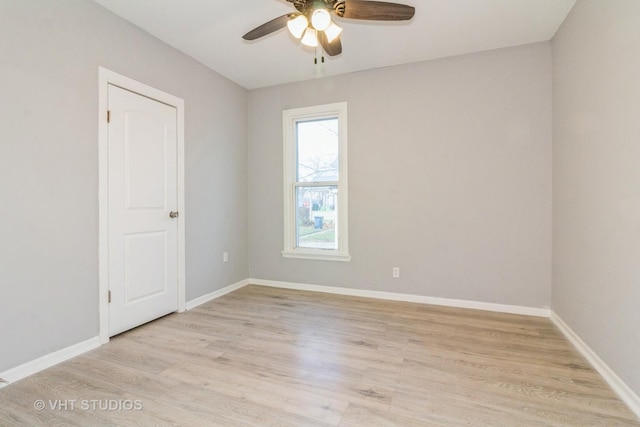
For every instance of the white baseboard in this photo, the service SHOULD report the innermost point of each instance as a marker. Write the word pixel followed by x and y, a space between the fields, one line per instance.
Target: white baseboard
pixel 614 381
pixel 47 361
pixel 487 306
pixel 215 294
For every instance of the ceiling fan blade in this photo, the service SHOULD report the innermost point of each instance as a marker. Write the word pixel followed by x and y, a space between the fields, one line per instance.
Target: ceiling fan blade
pixel 376 11
pixel 269 27
pixel 334 48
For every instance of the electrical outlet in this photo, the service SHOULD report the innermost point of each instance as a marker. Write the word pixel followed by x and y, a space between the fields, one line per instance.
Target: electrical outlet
pixel 396 272
pixel 225 256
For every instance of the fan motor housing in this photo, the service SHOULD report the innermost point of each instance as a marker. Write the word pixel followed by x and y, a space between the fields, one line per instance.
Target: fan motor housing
pixel 306 7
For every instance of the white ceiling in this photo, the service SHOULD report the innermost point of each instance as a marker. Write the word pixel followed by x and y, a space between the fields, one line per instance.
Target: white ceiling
pixel 211 32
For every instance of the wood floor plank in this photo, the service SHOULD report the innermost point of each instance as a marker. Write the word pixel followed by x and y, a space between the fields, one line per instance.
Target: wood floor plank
pixel 356 416
pixel 265 356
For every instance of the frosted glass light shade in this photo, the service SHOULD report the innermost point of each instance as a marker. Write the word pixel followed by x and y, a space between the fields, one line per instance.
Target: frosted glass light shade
pixel 297 26
pixel 310 38
pixel 320 19
pixel 332 32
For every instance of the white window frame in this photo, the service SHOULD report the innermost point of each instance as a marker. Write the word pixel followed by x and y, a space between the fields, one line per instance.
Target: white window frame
pixel 289 119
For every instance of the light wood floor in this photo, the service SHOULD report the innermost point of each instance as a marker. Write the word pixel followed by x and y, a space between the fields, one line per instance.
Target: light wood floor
pixel 264 356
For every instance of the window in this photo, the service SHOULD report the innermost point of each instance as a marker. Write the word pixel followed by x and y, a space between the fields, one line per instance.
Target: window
pixel 315 183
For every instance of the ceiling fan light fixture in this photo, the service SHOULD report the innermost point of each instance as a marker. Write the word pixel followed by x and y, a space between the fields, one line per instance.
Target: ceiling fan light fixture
pixel 313 25
pixel 320 19
pixel 297 26
pixel 310 38
pixel 332 32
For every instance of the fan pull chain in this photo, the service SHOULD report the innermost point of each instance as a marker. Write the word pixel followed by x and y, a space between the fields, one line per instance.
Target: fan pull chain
pixel 315 52
pixel 315 59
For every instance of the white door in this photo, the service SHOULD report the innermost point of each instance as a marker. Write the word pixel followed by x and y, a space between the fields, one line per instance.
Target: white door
pixel 143 227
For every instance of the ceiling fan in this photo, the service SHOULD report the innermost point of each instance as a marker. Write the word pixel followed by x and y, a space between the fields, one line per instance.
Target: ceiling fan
pixel 312 22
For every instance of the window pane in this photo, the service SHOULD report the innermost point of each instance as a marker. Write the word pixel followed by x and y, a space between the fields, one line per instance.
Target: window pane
pixel 317 217
pixel 317 148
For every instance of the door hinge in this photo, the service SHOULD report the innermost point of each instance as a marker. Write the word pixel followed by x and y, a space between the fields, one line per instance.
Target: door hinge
pixel 109 297
pixel 108 116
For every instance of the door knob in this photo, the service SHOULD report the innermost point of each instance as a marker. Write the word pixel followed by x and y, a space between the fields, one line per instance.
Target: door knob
pixel 173 214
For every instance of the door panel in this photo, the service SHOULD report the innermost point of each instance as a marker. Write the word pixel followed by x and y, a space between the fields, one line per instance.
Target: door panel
pixel 143 249
pixel 145 163
pixel 143 253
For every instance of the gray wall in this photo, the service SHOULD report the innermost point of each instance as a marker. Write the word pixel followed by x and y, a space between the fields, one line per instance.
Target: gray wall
pixel 596 180
pixel 49 57
pixel 449 178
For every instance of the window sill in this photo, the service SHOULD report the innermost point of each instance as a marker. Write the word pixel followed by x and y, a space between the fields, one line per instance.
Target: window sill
pixel 317 255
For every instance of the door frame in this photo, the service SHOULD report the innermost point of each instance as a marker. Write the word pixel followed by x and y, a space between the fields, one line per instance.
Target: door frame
pixel 105 78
